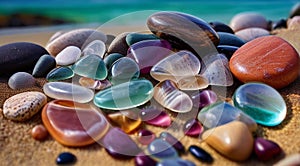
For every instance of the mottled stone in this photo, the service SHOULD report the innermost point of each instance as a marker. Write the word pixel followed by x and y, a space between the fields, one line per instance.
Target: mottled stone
pixel 295 10
pixel 119 45
pixel 220 27
pixel 144 160
pixel 230 39
pixel 111 58
pixel 60 73
pixel 227 50
pixel 200 154
pixel 145 137
pixel 192 128
pixel 68 56
pixel 96 47
pixel 203 98
pixel 94 84
pixel 133 38
pixel 248 20
pixel 196 82
pixel 39 132
pixel 266 149
pixel 155 117
pixel 168 137
pixel 293 159
pixel 21 80
pixel 161 150
pixel 251 33
pixel 175 162
pixel 66 158
pixel 43 66
pixel 23 106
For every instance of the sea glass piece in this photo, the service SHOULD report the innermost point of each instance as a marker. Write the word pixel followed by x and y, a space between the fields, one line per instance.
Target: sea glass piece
pixel 111 58
pixel 96 47
pixel 261 102
pixel 196 82
pixel 132 38
pixel 60 73
pixel 204 98
pixel 68 91
pixel 125 96
pixel 94 84
pixel 161 150
pixel 145 137
pixel 192 128
pixel 167 94
pixel 155 117
pixel 168 137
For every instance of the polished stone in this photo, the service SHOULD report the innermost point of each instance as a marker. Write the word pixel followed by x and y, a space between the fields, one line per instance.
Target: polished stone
pixel 39 132
pixel 230 39
pixel 65 158
pixel 203 98
pixel 192 128
pixel 261 102
pixel 266 150
pixel 248 20
pixel 175 162
pixel 119 45
pixel 249 34
pixel 94 84
pixel 200 154
pixel 145 137
pixel 227 50
pixel 155 117
pixel 172 140
pixel 43 66
pixel 96 47
pixel 196 82
pixel 144 160
pixel 21 80
pixel 279 24
pixel 59 74
pixel 68 56
pixel 161 150
pixel 133 38
pixel 111 58
pixel 220 27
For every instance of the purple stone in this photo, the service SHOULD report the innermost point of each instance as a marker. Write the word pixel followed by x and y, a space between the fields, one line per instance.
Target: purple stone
pixel 204 98
pixel 119 145
pixel 266 149
pixel 144 160
pixel 145 137
pixel 148 52
pixel 172 141
pixel 155 117
pixel 192 128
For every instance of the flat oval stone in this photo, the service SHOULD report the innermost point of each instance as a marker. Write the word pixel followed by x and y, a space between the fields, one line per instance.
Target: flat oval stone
pixel 68 91
pixel 192 128
pixel 43 66
pixel 230 39
pixel 145 137
pixel 233 140
pixel 248 20
pixel 96 47
pixel 65 158
pixel 204 98
pixel 21 80
pixel 200 154
pixel 20 56
pixel 220 27
pixel 149 52
pixel 74 124
pixel 91 66
pixel 168 137
pixel 175 162
pixel 118 45
pixel 196 82
pixel 155 117
pixel 125 96
pixel 161 150
pixel 227 50
pixel 144 160
pixel 249 34
pixel 23 106
pixel 111 58
pixel 77 37
pixel 39 132
pixel 254 63
pixel 68 56
pixel 167 94
pixel 266 150
pixel 295 10
pixel 94 84
pixel 261 102
pixel 293 159
pixel 60 73
pixel 133 38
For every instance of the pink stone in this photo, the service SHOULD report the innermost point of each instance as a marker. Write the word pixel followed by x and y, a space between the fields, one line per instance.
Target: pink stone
pixel 192 128
pixel 155 117
pixel 145 137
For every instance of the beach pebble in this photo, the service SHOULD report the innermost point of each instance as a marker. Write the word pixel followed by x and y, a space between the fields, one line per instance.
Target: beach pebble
pixel 279 24
pixel 192 128
pixel 266 150
pixel 43 66
pixel 267 59
pixel 293 159
pixel 77 37
pixel 144 160
pixel 248 20
pixel 111 58
pixel 175 162
pixel 295 11
pixel 294 23
pixel 20 56
pixel 66 158
pixel 200 154
pixel 96 47
pixel 172 140
pixel 21 80
pixel 132 38
pixel 68 56
pixel 60 73
pixel 155 117
pixel 230 39
pixel 39 132
pixel 251 33
pixel 227 50
pixel 220 27
pixel 119 44
pixel 161 150
pixel 145 137
pixel 23 106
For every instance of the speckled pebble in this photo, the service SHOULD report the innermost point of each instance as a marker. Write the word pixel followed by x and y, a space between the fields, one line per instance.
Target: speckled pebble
pixel 21 80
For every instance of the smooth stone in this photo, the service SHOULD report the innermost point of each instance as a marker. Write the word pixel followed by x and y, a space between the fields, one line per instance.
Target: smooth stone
pixel 293 159
pixel 109 40
pixel 266 150
pixel 196 82
pixel 204 98
pixel 192 128
pixel 293 23
pixel 39 132
pixel 176 66
pixel 68 91
pixel 23 106
pixel 175 162
pixel 200 154
pixel 111 58
pixel 184 31
pixel 227 50
pixel 96 47
pixel 295 10
pixel 249 34
pixel 233 140
pixel 125 96
pixel 68 56
pixel 94 84
pixel 280 24
pixel 148 53
pixel 91 66
pixel 21 80
pixel 144 160
pixel 220 27
pixel 230 39
pixel 56 35
pixel 133 38
pixel 65 158
pixel 161 150
pixel 77 37
pixel 60 73
pixel 20 56
pixel 221 113
pixel 145 137
pixel 128 121
pixel 168 137
pixel 123 70
pixel 291 36
pixel 254 63
pixel 155 117
pixel 126 148
pixel 74 124
pixel 248 20
pixel 119 45
pixel 43 66
pixel 167 94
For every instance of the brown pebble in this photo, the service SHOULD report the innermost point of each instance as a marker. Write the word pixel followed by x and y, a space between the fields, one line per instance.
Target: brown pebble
pixel 39 132
pixel 119 45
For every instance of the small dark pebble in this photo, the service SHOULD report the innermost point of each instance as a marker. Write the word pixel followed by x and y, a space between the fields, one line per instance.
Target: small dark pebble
pixel 144 160
pixel 279 24
pixel 220 27
pixel 230 39
pixel 66 158
pixel 200 154
pixel 227 50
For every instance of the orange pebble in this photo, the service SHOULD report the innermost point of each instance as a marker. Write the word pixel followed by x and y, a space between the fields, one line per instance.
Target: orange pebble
pixel 39 132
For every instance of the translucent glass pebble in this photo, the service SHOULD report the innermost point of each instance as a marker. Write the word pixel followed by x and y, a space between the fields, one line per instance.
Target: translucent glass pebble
pixel 60 73
pixel 68 91
pixel 262 102
pixel 161 150
pixel 96 47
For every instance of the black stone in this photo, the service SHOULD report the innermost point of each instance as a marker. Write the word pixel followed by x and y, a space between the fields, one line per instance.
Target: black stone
pixel 172 141
pixel 200 154
pixel 230 39
pixel 227 50
pixel 137 37
pixel 66 158
pixel 295 11
pixel 43 66
pixel 279 24
pixel 220 27
pixel 111 58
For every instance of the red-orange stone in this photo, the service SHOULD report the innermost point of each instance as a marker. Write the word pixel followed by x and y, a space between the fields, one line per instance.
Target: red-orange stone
pixel 39 132
pixel 268 59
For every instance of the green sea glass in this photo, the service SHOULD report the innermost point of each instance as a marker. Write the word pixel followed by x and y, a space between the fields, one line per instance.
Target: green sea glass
pixel 60 73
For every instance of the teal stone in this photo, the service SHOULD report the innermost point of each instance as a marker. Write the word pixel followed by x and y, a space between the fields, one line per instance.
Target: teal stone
pixel 262 102
pixel 60 73
pixel 43 66
pixel 91 66
pixel 125 96
pixel 161 150
pixel 111 58
pixel 123 70
pixel 132 38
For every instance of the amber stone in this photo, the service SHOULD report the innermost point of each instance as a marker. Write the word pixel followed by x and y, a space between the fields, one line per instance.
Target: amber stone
pixel 39 132
pixel 74 124
pixel 267 59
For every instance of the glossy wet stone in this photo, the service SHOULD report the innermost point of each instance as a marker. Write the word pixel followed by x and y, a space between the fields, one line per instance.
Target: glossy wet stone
pixel 123 70
pixel 149 52
pixel 167 94
pixel 144 160
pixel 91 66
pixel 118 45
pixel 111 58
pixel 293 159
pixel 200 154
pixel 60 73
pixel 266 149
pixel 39 132
pixel 68 91
pixel 176 66
pixel 155 117
pixel 68 56
pixel 279 24
pixel 261 102
pixel 230 39
pixel 133 38
pixel 94 84
pixel 168 137
pixel 145 136
pixel 204 98
pixel 249 34
pixel 248 20
pixel 220 27
pixel 192 128
pixel 125 96
pixel 196 82
pixel 233 140
pixel 227 50
pixel 126 148
pixel 65 158
pixel 21 80
pixel 161 150
pixel 175 162
pixel 74 124
pixel 96 47
pixel 43 66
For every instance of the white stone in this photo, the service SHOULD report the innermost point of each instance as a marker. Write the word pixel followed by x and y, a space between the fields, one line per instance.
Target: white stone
pixel 68 56
pixel 96 47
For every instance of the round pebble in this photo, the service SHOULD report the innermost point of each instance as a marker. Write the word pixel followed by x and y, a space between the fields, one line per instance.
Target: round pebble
pixel 251 33
pixel 220 27
pixel 66 158
pixel 119 45
pixel 248 20
pixel 266 149
pixel 200 154
pixel 145 137
pixel 144 160
pixel 21 80
pixel 230 39
pixel 68 56
pixel 39 132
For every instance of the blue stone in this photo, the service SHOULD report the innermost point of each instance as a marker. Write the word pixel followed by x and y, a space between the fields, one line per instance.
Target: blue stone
pixel 173 141
pixel 200 154
pixel 175 162
pixel 66 158
pixel 230 39
pixel 161 150
pixel 60 73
